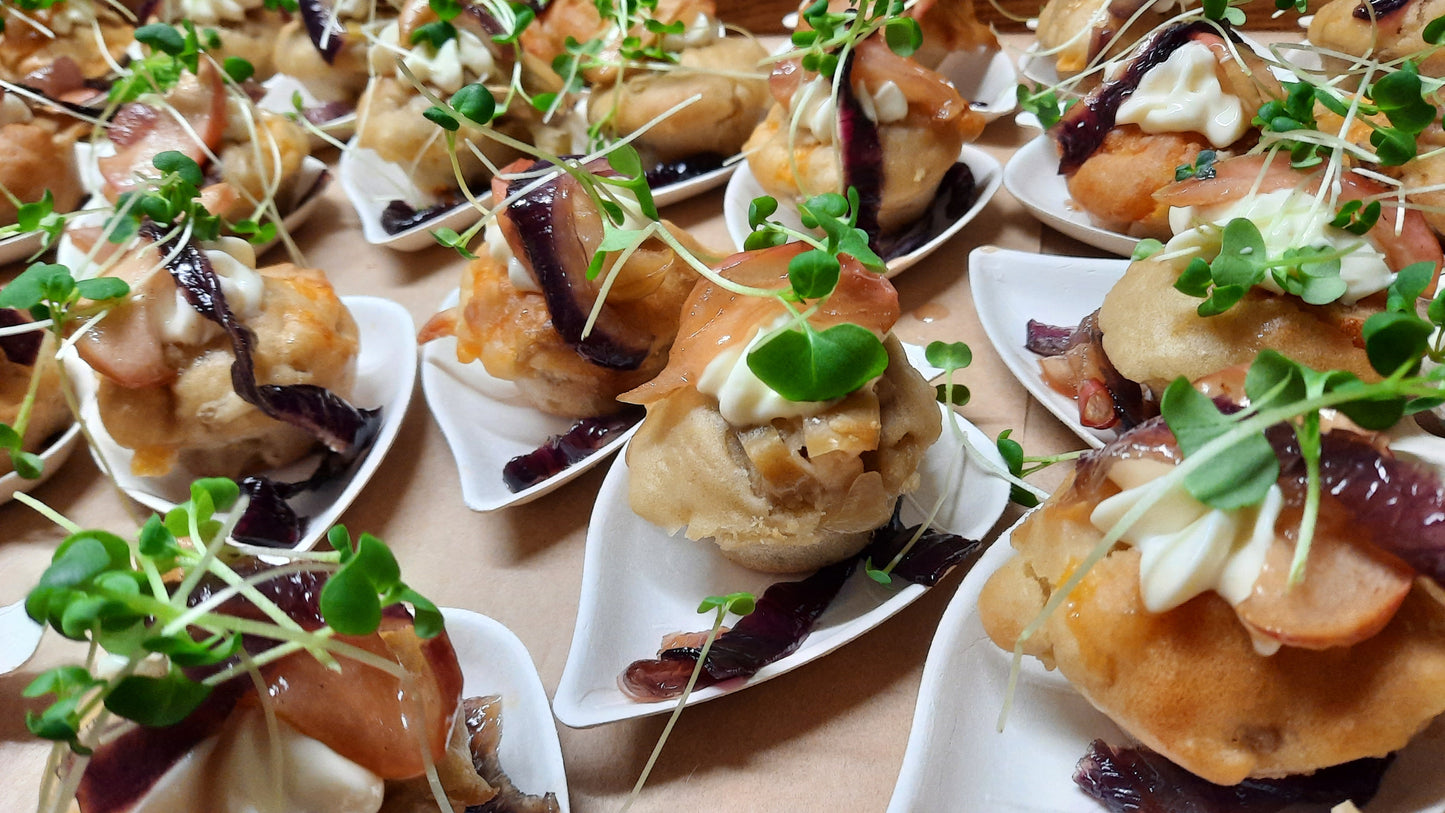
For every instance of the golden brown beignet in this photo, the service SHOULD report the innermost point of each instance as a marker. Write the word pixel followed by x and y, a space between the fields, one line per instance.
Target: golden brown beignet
pixel 795 494
pixel 48 415
pixel 192 416
pixel 719 122
pixel 1188 682
pixel 38 156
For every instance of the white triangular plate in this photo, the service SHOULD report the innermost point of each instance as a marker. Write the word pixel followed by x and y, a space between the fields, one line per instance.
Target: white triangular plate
pixel 371 183
pixel 17 247
pixel 1012 287
pixel 639 584
pixel 986 78
pixel 494 661
pixel 52 456
pixel 696 185
pixel 987 175
pixel 955 750
pixel 385 374
pixel 277 99
pixel 1032 176
pixel 487 422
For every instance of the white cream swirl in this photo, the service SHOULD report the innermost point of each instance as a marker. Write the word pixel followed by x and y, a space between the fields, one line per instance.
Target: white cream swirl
pixel 1183 95
pixel 234 261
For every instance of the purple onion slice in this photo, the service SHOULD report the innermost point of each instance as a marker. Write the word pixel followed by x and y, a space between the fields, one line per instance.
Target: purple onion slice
pixel 861 149
pixel 585 438
pixel 321 26
pixel 1083 128
pixel 555 255
pixel 1046 340
pixel 1382 8
pixel 1135 780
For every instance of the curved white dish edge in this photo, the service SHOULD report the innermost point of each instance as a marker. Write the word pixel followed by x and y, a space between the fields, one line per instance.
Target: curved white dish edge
pixel 494 661
pixel 53 456
pixel 743 187
pixel 385 374
pixel 638 584
pixel 1032 177
pixel 1010 287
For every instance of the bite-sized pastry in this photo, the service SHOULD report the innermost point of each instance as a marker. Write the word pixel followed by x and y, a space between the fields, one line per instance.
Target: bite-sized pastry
pixel 948 26
pixel 526 299
pixel 1384 31
pixel 354 739
pixel 169 376
pixel 260 152
pixel 247 28
pixel 55 50
pixel 892 129
pixel 1080 34
pixel 1188 634
pixel 780 486
pixel 39 157
pixel 390 120
pixel 336 79
pixel 1148 333
pixel 22 357
pixel 1185 91
pixel 724 71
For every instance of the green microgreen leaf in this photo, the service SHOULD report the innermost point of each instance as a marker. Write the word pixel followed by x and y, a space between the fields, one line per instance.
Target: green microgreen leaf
pixel 157 702
pixel 813 274
pixel 476 103
pixel 238 69
pixel 812 365
pixel 1241 476
pixel 737 603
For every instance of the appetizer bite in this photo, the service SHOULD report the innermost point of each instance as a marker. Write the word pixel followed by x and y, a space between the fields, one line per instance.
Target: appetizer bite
pixel 245 29
pixel 546 305
pixel 67 49
pixel 787 469
pixel 642 68
pixel 335 67
pixel 232 700
pixel 1242 636
pixel 189 362
pixel 851 111
pixel 1189 89
pixel 421 58
pixel 1277 267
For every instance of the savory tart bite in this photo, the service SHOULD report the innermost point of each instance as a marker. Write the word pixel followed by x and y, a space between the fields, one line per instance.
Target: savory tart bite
pixel 335 75
pixel 633 86
pixel 779 485
pixel 192 373
pixel 527 300
pixel 27 360
pixel 56 49
pixel 1153 327
pixel 248 29
pixel 1185 91
pixel 1383 31
pixel 39 159
pixel 1191 634
pixel 251 157
pixel 390 115
pixel 879 122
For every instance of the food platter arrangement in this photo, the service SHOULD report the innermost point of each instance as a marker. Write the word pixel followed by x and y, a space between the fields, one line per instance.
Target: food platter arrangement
pixel 813 432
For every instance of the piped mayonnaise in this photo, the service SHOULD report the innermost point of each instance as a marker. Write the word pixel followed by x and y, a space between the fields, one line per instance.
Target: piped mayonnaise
pixel 460 59
pixel 234 261
pixel 1286 219
pixel 211 12
pixel 743 398
pixel 1185 547
pixel 704 30
pixel 501 253
pixel 237 771
pixel 1183 95
pixel 819 112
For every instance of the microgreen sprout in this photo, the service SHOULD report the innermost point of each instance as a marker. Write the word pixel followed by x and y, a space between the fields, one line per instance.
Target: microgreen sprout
pixel 173 52
pixel 1311 273
pixel 1399 97
pixel 134 599
pixel 1202 167
pixel 36 217
pixel 1043 103
pixel 734 603
pixel 55 300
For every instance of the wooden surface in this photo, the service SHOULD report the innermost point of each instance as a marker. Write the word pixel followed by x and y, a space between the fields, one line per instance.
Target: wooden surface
pixel 828 736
